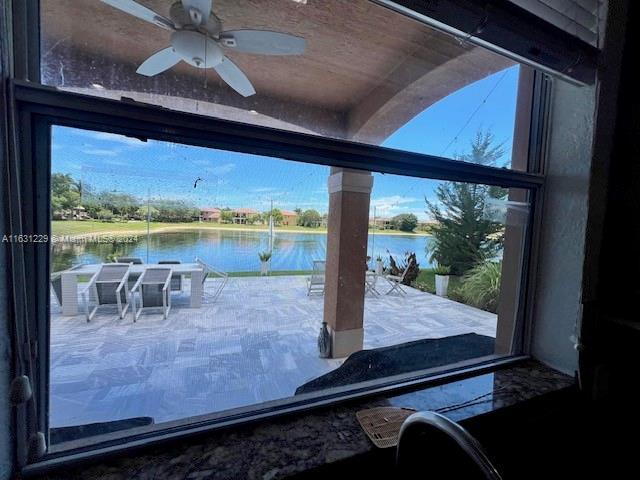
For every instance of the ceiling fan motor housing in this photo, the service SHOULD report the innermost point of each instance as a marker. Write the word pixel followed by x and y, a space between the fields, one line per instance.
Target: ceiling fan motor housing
pixel 196 49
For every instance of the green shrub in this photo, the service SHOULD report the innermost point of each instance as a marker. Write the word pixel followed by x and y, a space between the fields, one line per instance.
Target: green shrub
pixel 105 215
pixel 481 286
pixel 442 270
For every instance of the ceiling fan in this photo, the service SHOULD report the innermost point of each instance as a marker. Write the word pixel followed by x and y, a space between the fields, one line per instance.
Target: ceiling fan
pixel 198 38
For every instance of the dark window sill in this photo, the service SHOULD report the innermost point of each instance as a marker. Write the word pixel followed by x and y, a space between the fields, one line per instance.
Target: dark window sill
pixel 294 445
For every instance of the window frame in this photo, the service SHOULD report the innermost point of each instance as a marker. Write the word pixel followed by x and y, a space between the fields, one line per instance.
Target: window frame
pixel 40 107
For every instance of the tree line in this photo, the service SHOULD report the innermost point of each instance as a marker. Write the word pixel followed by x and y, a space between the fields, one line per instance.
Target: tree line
pixel 69 194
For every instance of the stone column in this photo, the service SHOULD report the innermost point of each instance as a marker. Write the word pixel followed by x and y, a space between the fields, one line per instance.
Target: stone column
pixel 347 230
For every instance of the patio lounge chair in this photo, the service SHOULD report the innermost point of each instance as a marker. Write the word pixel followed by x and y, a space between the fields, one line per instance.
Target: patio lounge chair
pixel 396 280
pixel 215 274
pixel 176 278
pixel 108 287
pixel 56 283
pixel 315 283
pixel 154 288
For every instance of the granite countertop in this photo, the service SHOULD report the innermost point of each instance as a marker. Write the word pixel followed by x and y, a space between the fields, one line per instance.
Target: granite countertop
pixel 291 445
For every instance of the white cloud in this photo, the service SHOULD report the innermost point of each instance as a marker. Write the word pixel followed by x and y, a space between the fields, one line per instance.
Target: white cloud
pixel 101 152
pixel 392 203
pixel 112 137
pixel 223 169
pixel 118 163
pixel 396 204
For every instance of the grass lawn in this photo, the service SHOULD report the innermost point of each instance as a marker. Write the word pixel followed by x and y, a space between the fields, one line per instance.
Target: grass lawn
pixel 133 227
pixel 71 227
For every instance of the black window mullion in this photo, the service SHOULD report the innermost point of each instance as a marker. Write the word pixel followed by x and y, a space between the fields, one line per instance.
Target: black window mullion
pixel 147 121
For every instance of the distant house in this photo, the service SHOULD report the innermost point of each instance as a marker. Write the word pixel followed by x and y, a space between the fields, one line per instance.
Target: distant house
pixel 74 213
pixel 289 217
pixel 79 213
pixel 241 215
pixel 210 214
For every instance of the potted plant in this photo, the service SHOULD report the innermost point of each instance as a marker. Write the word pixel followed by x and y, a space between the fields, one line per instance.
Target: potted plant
pixel 379 265
pixel 442 280
pixel 265 257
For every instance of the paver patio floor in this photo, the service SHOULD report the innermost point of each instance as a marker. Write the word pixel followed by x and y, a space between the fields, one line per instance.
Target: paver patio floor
pixel 255 343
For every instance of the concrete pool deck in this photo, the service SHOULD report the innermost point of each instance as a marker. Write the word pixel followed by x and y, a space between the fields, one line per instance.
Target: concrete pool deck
pixel 255 343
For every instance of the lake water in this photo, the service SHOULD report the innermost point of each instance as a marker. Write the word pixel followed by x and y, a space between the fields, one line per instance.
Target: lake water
pixel 232 251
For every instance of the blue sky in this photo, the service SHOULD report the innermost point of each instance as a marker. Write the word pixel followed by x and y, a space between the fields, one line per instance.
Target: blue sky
pixel 166 170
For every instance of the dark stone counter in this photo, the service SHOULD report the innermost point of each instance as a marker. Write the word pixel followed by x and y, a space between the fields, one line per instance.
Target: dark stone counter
pixel 292 445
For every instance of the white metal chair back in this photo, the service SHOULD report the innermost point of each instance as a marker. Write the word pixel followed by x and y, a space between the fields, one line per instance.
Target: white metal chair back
pixel 155 275
pixel 109 287
pixel 176 278
pixel 396 281
pixel 154 287
pixel 218 276
pixel 317 278
pixel 112 272
pixel 406 269
pixel 318 272
pixel 206 269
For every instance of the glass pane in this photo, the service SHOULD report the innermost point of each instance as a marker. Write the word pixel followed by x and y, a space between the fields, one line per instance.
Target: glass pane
pixel 233 261
pixel 360 71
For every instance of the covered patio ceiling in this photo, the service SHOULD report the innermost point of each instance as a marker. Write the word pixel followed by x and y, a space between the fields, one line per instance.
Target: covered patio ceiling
pixel 366 70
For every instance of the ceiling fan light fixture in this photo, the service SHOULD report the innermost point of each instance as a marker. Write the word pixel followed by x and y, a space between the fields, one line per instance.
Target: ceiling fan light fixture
pixel 196 16
pixel 198 39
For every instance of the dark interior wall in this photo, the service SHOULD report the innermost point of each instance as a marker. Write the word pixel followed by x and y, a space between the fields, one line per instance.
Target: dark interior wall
pixel 611 325
pixel 620 257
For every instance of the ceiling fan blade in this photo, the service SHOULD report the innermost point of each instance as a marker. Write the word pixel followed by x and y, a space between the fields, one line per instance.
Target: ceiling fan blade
pixel 159 62
pixel 234 77
pixel 143 13
pixel 203 7
pixel 263 42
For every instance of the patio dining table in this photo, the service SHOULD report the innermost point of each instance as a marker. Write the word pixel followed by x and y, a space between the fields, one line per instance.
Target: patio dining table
pixel 70 282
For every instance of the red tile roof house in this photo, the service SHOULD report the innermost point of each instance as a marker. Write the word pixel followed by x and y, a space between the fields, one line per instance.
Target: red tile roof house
pixel 240 215
pixel 289 217
pixel 210 215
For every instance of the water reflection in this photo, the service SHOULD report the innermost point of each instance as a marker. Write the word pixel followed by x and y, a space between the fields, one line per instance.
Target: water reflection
pixel 229 250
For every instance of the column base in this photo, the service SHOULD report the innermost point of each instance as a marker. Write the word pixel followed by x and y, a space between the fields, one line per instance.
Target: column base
pixel 346 342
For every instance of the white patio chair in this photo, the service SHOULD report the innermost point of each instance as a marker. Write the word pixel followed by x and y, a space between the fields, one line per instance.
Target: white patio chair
pixel 315 283
pixel 56 283
pixel 176 278
pixel 396 280
pixel 215 274
pixel 109 287
pixel 133 277
pixel 154 289
pixel 370 280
